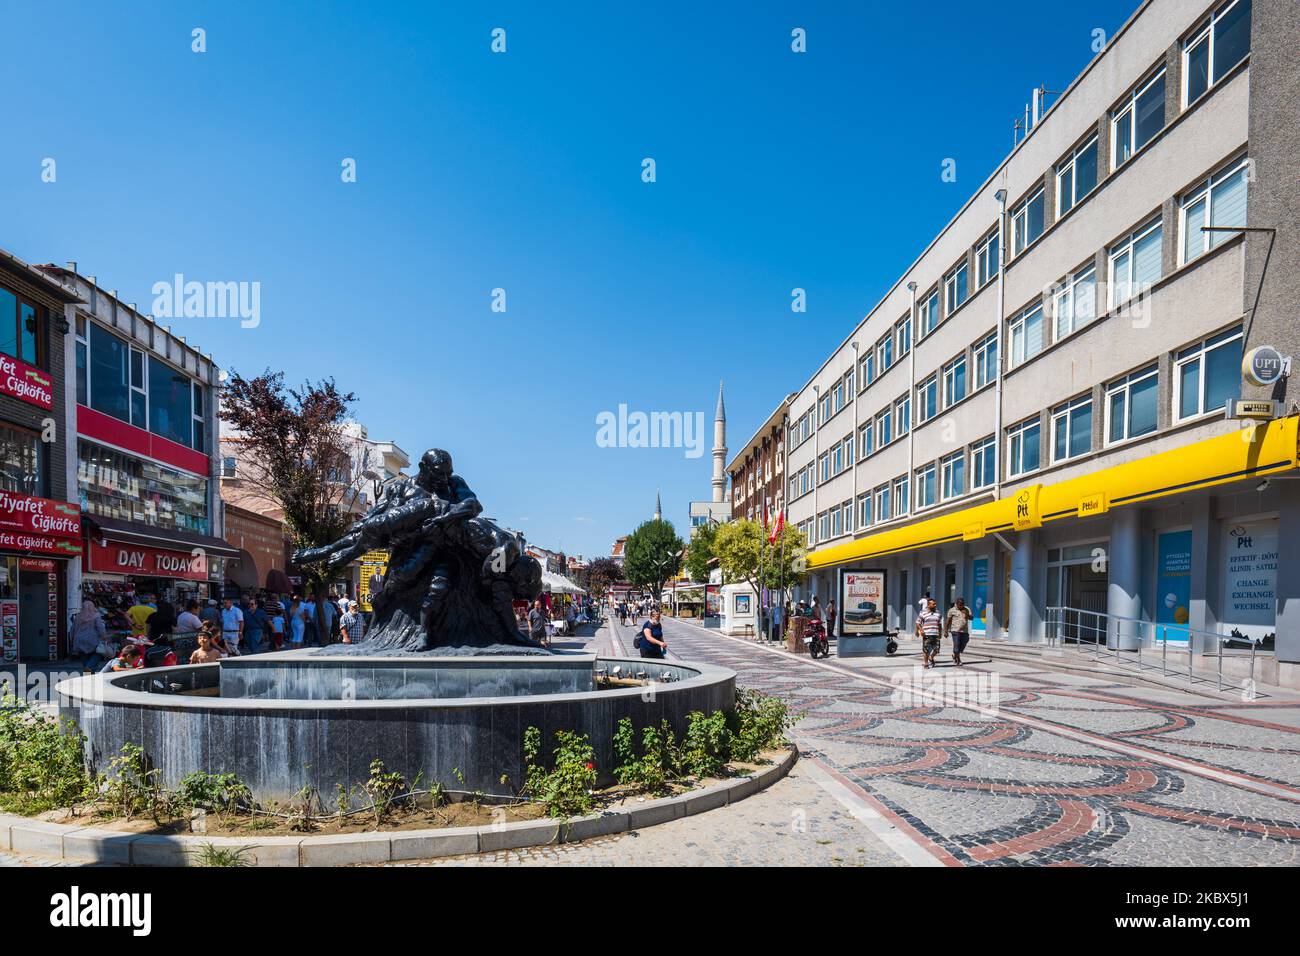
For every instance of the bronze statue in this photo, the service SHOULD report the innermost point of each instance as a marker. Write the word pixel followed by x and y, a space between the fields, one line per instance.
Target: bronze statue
pixel 452 574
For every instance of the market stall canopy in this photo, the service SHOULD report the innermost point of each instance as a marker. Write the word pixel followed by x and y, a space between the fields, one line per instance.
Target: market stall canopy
pixel 559 584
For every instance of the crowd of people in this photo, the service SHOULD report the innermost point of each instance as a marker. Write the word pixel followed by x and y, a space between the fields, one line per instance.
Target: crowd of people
pixel 252 624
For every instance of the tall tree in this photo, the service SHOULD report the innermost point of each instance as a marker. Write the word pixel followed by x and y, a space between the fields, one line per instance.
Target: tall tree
pixel 700 552
pixel 738 545
pixel 293 450
pixel 652 555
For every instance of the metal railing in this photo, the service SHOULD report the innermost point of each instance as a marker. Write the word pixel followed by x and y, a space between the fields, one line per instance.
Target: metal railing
pixel 1102 635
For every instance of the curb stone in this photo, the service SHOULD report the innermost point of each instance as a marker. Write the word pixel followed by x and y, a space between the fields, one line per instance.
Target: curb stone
pixel 91 845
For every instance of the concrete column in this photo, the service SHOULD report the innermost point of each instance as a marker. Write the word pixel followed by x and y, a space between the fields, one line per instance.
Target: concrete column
pixel 1124 577
pixel 1021 616
pixel 1288 576
pixel 1204 576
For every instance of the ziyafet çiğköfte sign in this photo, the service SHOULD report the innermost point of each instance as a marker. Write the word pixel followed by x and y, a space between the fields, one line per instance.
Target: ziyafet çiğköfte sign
pixel 40 525
pixel 25 382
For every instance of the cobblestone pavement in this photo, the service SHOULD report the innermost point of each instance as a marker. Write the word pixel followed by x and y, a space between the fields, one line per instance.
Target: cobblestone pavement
pixel 1061 769
pixel 1005 763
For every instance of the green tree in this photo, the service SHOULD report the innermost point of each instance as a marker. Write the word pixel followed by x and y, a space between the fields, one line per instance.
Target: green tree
pixel 294 451
pixel 653 554
pixel 738 545
pixel 700 552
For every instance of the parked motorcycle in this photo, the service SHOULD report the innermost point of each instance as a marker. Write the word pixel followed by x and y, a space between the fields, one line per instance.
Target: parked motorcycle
pixel 819 644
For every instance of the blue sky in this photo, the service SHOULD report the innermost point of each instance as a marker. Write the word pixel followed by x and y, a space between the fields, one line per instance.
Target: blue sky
pixel 521 171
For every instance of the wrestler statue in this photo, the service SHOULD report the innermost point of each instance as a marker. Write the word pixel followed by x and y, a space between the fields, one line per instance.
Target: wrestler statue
pixel 452 575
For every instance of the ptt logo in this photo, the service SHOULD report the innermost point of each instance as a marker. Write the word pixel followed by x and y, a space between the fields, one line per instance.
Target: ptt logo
pixel 1022 505
pixel 1244 539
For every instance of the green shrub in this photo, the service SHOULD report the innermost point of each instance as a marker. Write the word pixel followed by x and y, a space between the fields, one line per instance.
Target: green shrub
pixel 133 787
pixel 42 763
pixel 651 769
pixel 566 789
pixel 707 745
pixel 217 792
pixel 758 723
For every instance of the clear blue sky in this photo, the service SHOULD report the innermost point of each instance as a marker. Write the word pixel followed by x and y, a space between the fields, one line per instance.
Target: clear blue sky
pixel 521 171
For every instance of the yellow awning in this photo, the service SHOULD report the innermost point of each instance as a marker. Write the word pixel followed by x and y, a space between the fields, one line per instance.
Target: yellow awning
pixel 1257 450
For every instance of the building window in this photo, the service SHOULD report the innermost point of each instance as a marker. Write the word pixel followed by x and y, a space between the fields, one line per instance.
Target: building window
pixel 1027 222
pixel 927 315
pixel 846 510
pixel 116 485
pixel 901 493
pixel 824 526
pixel 986 360
pixel 925 486
pixel 1072 429
pixel 1076 177
pixel 837 393
pixel 954 289
pixel 228 468
pixel 869 370
pixel 850 383
pixel 1022 448
pixel 882 504
pixel 983 463
pixel 1131 405
pixel 927 399
pixel 21 321
pixel 884 428
pixel 1219 201
pixel 1138 119
pixel 866 440
pixel 903 335
pixel 837 459
pixel 1221 44
pixel 21 462
pixel 1026 334
pixel 83 357
pixel 837 522
pixel 1076 301
pixel 1135 263
pixel 953 475
pixel 954 381
pixel 986 260
pixel 1208 374
pixel 903 414
pixel 885 353
pixel 824 467
pixel 864 510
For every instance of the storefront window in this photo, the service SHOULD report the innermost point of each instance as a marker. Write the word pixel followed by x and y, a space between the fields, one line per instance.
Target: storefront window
pixel 20 462
pixel 170 413
pixel 110 389
pixel 116 485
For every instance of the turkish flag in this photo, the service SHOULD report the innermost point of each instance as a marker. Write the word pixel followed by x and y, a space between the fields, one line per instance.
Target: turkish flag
pixel 777 528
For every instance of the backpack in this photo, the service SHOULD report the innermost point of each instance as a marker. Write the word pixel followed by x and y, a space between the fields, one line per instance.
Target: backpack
pixel 639 640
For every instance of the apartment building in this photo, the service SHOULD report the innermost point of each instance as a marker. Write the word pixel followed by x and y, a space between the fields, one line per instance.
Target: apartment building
pixel 758 470
pixel 1033 416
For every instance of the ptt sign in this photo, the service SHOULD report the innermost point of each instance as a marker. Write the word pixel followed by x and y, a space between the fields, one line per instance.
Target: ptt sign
pixel 1026 504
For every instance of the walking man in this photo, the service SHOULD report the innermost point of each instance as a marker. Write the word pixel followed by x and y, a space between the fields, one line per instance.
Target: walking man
pixel 957 625
pixel 929 627
pixel 232 625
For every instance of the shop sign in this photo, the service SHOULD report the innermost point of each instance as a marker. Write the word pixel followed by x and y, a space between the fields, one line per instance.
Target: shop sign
pixel 118 558
pixel 1255 409
pixel 1091 505
pixel 37 564
pixel 40 544
pixel 1027 515
pixel 973 532
pixel 1264 365
pixel 41 515
pixel 25 382
pixel 1250 584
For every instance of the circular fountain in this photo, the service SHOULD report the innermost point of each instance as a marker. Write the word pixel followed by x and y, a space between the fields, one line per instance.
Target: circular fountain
pixel 286 721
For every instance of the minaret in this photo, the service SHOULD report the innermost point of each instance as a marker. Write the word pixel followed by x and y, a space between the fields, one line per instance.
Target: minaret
pixel 719 450
pixel 659 511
